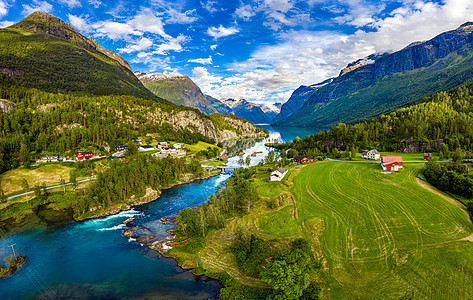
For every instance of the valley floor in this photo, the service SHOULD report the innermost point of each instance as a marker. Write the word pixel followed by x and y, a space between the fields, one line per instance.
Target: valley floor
pixel 385 236
pixel 377 235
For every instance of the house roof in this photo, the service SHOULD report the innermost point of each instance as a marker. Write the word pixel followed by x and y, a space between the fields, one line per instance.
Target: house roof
pixel 298 157
pixel 375 151
pixel 391 159
pixel 223 157
pixel 280 170
pixel 146 146
pixel 427 154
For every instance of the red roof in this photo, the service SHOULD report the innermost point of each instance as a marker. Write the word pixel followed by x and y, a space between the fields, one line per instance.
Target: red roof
pixel 224 157
pixel 389 159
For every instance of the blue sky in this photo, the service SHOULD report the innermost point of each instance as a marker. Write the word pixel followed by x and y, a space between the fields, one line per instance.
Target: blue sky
pixel 258 50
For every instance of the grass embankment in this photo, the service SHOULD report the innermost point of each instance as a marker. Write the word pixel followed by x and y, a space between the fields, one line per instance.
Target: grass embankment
pixel 377 235
pixel 48 174
pixel 384 234
pixel 200 146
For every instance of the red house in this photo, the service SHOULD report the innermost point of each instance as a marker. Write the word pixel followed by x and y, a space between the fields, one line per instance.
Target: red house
pixel 83 155
pixel 391 163
pixel 223 157
pixel 427 156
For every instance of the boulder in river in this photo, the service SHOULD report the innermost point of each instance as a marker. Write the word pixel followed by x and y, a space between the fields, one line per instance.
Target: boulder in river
pixel 145 239
pixel 131 219
pixel 128 232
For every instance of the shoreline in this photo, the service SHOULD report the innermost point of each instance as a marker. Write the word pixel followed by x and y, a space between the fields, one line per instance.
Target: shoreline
pixel 148 199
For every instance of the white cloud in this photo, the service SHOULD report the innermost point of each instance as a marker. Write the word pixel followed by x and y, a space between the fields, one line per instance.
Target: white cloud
pixel 142 44
pixel 4 24
pixel 95 3
pixel 115 30
pixel 213 47
pixel 279 5
pixel 173 44
pixel 71 3
pixel 147 21
pixel 79 23
pixel 218 32
pixel 3 8
pixel 209 6
pixel 176 17
pixel 203 61
pixel 37 5
pixel 245 12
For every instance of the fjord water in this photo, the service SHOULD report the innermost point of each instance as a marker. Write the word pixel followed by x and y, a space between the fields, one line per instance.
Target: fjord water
pixel 91 259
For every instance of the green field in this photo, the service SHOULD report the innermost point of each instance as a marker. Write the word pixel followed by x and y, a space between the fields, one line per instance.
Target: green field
pixel 199 146
pixel 383 235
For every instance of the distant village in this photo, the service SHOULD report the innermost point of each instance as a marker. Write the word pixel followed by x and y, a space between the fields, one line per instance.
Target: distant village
pixel 161 150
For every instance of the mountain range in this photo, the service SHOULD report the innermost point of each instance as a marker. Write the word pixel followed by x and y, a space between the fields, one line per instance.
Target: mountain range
pixel 384 82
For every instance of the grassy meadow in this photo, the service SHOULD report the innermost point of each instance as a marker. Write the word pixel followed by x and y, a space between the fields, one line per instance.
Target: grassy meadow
pixel 383 235
pixel 376 235
pixel 49 174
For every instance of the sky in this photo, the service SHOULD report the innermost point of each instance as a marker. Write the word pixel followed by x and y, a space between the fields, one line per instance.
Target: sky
pixel 259 50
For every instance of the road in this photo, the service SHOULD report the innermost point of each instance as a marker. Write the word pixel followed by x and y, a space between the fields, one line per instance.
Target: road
pixel 378 161
pixel 50 187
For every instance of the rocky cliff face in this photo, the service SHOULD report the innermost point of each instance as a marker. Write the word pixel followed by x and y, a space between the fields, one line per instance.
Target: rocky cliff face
pixel 197 122
pixel 6 106
pixel 176 88
pixel 391 81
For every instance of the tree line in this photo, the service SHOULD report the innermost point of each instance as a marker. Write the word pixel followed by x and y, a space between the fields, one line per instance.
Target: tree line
pixel 441 122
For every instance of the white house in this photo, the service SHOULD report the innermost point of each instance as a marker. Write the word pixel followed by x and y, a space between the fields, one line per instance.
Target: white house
pixel 277 175
pixel 178 145
pixel 371 154
pixel 146 148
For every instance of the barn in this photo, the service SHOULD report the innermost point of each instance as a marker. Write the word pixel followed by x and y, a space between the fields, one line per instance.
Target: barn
pixel 391 163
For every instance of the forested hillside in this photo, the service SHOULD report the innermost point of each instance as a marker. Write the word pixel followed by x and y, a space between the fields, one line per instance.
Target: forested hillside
pixel 441 122
pixel 34 122
pixel 45 53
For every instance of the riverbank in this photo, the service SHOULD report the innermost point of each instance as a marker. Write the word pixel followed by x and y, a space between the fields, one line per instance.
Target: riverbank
pixel 59 208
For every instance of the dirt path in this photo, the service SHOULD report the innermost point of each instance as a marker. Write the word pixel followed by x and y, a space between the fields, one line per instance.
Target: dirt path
pixel 444 196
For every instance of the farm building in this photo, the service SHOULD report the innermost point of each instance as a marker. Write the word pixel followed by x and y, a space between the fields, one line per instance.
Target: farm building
pixel 120 148
pixel 277 175
pixel 427 156
pixel 391 163
pixel 370 154
pixel 299 159
pixel 178 145
pixel 146 148
pixel 163 145
pixel 83 155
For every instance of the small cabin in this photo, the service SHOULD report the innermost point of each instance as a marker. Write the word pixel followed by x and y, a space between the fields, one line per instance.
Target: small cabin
pixel 427 156
pixel 277 175
pixel 223 157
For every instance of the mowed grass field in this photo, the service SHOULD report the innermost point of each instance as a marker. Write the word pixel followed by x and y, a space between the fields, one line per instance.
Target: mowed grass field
pixel 383 235
pixel 49 174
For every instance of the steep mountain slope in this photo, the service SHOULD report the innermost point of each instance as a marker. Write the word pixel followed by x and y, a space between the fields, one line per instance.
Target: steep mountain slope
pixel 271 110
pixel 392 81
pixel 248 111
pixel 298 98
pixel 219 105
pixel 178 89
pixel 44 52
